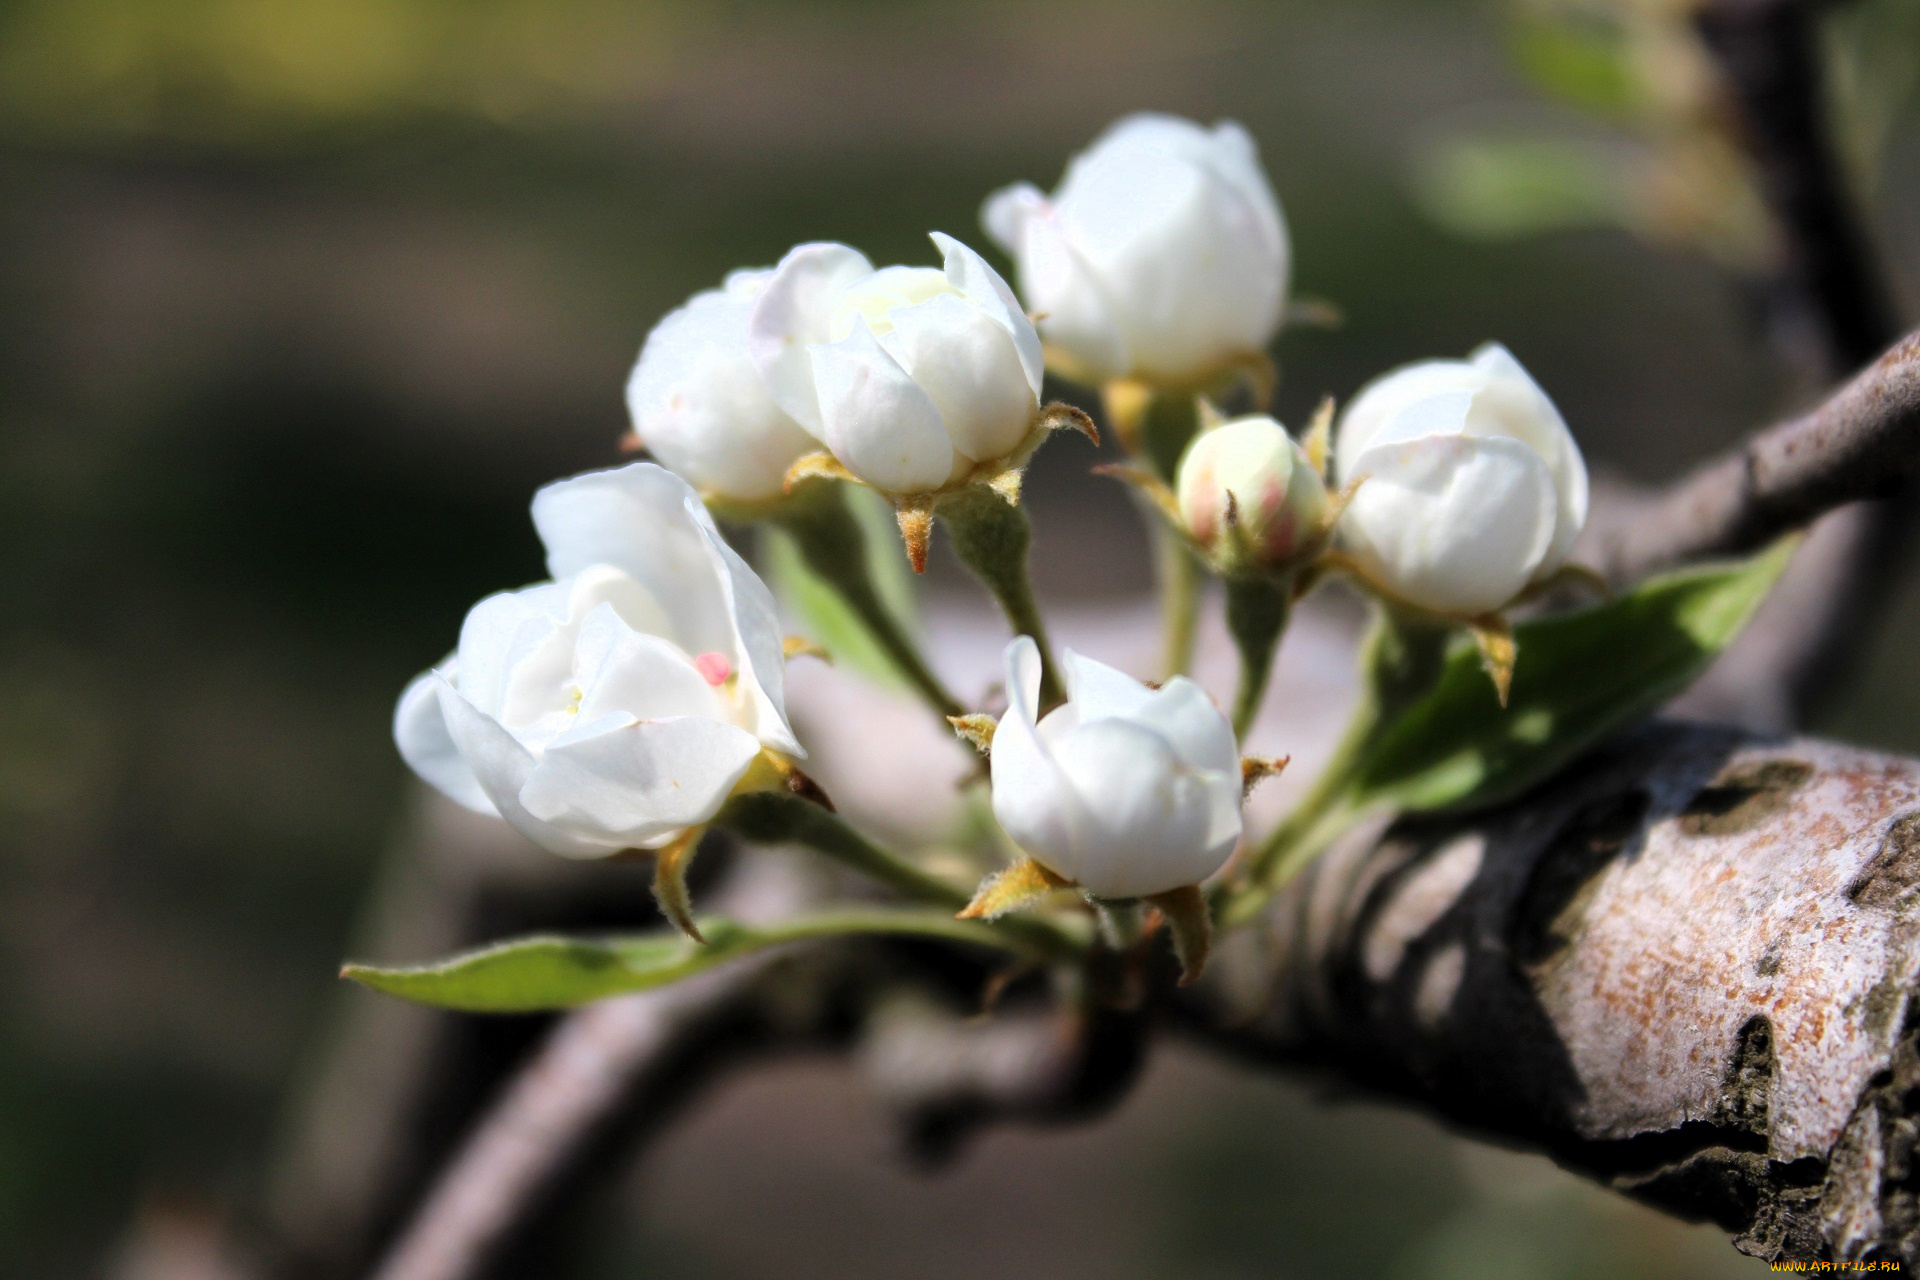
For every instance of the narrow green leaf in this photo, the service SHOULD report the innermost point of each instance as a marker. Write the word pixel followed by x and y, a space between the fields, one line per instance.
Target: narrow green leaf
pixel 1590 64
pixel 1579 677
pixel 527 975
pixel 823 613
pixel 1499 185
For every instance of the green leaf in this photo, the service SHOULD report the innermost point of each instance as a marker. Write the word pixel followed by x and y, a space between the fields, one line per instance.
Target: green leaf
pixel 528 975
pixel 1590 64
pixel 823 613
pixel 1498 186
pixel 1580 676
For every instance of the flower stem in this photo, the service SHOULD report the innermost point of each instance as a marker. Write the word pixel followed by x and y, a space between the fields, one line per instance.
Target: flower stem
pixel 1257 611
pixel 830 540
pixel 1400 661
pixel 991 537
pixel 776 817
pixel 1163 429
pixel 1179 577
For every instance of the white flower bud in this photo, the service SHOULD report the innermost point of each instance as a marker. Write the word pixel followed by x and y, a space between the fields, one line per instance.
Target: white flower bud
pixel 908 375
pixel 1473 490
pixel 698 403
pixel 1163 254
pixel 1253 468
pixel 619 704
pixel 1125 790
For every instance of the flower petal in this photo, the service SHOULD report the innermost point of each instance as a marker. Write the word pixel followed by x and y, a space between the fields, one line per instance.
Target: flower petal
pixel 1193 724
pixel 1078 317
pixel 1146 820
pixel 1513 398
pixel 510 631
pixel 638 784
pixel 620 671
pixel 1192 255
pixel 1457 524
pixel 502 766
pixel 760 646
pixel 1096 690
pixel 699 404
pixel 1379 405
pixel 647 522
pixel 1202 738
pixel 972 276
pixel 967 366
pixel 420 731
pixel 876 419
pixel 1031 799
pixel 1004 215
pixel 793 313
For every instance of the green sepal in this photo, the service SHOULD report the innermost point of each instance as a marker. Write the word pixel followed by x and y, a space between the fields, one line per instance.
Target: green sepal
pixel 1190 922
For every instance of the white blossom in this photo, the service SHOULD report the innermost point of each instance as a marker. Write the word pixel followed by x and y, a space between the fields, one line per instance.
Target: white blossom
pixel 1163 255
pixel 1474 488
pixel 619 704
pixel 908 375
pixel 699 406
pixel 1277 498
pixel 1123 789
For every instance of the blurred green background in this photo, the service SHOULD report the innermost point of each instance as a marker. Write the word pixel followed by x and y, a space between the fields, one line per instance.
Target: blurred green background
pixel 299 302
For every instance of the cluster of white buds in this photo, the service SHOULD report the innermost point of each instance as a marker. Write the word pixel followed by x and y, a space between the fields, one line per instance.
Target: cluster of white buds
pixel 623 704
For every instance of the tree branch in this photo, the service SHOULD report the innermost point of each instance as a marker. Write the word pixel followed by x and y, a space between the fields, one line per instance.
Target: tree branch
pixel 1827 309
pixel 1859 444
pixel 576 1082
pixel 1685 970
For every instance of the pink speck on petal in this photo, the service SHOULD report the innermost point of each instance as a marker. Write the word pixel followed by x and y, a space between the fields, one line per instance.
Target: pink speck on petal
pixel 713 668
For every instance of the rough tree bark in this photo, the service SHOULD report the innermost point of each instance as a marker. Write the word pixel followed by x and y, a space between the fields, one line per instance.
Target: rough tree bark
pixel 1687 969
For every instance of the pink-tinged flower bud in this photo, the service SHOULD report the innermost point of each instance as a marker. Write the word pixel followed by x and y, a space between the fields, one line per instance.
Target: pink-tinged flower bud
pixel 1250 496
